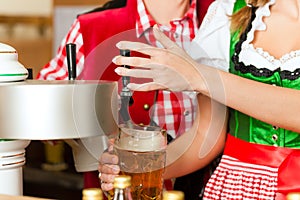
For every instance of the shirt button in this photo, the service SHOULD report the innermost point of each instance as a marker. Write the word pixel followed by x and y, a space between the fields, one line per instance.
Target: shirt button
pixel 146 106
pixel 275 127
pixel 186 113
pixel 275 137
pixel 176 35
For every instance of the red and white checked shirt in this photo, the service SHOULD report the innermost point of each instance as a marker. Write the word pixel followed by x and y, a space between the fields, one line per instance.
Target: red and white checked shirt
pixel 180 30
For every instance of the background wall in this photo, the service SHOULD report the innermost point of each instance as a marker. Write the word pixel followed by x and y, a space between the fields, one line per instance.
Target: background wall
pixel 36 27
pixel 26 7
pixel 78 2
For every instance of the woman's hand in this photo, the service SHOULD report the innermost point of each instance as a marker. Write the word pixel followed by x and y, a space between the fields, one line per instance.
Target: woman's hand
pixel 169 68
pixel 108 168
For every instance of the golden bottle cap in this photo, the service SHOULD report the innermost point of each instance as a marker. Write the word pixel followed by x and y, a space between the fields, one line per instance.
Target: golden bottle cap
pixel 293 196
pixel 173 195
pixel 92 194
pixel 122 181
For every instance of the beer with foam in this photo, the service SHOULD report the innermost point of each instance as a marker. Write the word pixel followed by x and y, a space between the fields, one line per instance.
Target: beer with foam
pixel 142 155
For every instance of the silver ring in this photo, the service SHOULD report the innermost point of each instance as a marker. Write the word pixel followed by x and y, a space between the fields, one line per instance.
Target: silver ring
pixel 99 175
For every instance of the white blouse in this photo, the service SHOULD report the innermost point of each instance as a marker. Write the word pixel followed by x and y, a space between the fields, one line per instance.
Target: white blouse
pixel 211 46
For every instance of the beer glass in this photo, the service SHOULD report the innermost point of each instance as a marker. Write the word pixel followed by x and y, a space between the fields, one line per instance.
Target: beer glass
pixel 142 155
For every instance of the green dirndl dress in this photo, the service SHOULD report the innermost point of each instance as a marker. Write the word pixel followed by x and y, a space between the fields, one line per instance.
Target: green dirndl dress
pixel 259 160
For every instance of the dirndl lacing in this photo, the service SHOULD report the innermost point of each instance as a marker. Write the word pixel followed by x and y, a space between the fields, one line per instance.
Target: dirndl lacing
pixel 250 171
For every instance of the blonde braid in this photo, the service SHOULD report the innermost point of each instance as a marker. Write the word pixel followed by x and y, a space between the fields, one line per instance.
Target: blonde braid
pixel 240 19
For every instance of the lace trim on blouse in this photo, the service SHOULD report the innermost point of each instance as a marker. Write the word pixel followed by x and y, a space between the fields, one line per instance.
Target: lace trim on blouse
pixel 276 62
pixel 257 23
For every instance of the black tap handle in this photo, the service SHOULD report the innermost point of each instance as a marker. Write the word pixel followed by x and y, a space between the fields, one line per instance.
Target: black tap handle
pixel 71 60
pixel 125 52
pixel 126 95
pixel 126 79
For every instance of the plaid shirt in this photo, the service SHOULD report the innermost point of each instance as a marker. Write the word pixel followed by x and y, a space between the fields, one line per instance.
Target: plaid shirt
pixel 180 30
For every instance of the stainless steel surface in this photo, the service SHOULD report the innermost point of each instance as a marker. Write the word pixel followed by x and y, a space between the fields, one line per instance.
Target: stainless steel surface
pixel 40 110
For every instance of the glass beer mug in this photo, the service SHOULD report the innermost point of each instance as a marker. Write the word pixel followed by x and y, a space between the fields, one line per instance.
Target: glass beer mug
pixel 142 155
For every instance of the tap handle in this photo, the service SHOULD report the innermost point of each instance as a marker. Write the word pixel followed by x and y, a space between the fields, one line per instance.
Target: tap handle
pixel 125 79
pixel 125 52
pixel 126 95
pixel 71 60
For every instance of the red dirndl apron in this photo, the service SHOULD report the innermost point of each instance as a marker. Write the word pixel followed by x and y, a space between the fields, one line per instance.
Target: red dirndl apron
pixel 254 171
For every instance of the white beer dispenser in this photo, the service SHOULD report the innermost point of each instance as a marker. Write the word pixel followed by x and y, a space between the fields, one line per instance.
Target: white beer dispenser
pixel 46 110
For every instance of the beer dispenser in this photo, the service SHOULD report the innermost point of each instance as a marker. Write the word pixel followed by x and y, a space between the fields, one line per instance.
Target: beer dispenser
pixel 46 110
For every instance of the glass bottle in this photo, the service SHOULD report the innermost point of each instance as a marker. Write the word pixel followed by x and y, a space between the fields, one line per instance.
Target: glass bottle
pixel 122 184
pixel 173 195
pixel 92 194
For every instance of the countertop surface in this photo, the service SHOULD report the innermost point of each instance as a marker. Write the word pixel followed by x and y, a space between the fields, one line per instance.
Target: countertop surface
pixel 9 197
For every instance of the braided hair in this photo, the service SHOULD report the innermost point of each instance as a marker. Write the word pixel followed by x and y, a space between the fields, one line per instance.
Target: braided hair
pixel 240 19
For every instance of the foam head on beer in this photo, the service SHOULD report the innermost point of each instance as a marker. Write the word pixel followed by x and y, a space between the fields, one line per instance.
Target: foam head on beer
pixel 141 139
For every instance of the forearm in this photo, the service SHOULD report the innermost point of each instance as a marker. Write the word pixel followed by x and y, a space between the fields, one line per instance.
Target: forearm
pixel 271 104
pixel 202 143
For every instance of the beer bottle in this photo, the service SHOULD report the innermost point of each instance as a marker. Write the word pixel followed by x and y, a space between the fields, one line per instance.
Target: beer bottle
pixel 122 184
pixel 173 195
pixel 293 196
pixel 92 194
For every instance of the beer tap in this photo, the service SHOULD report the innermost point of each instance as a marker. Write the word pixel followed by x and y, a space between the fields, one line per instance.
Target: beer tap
pixel 126 94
